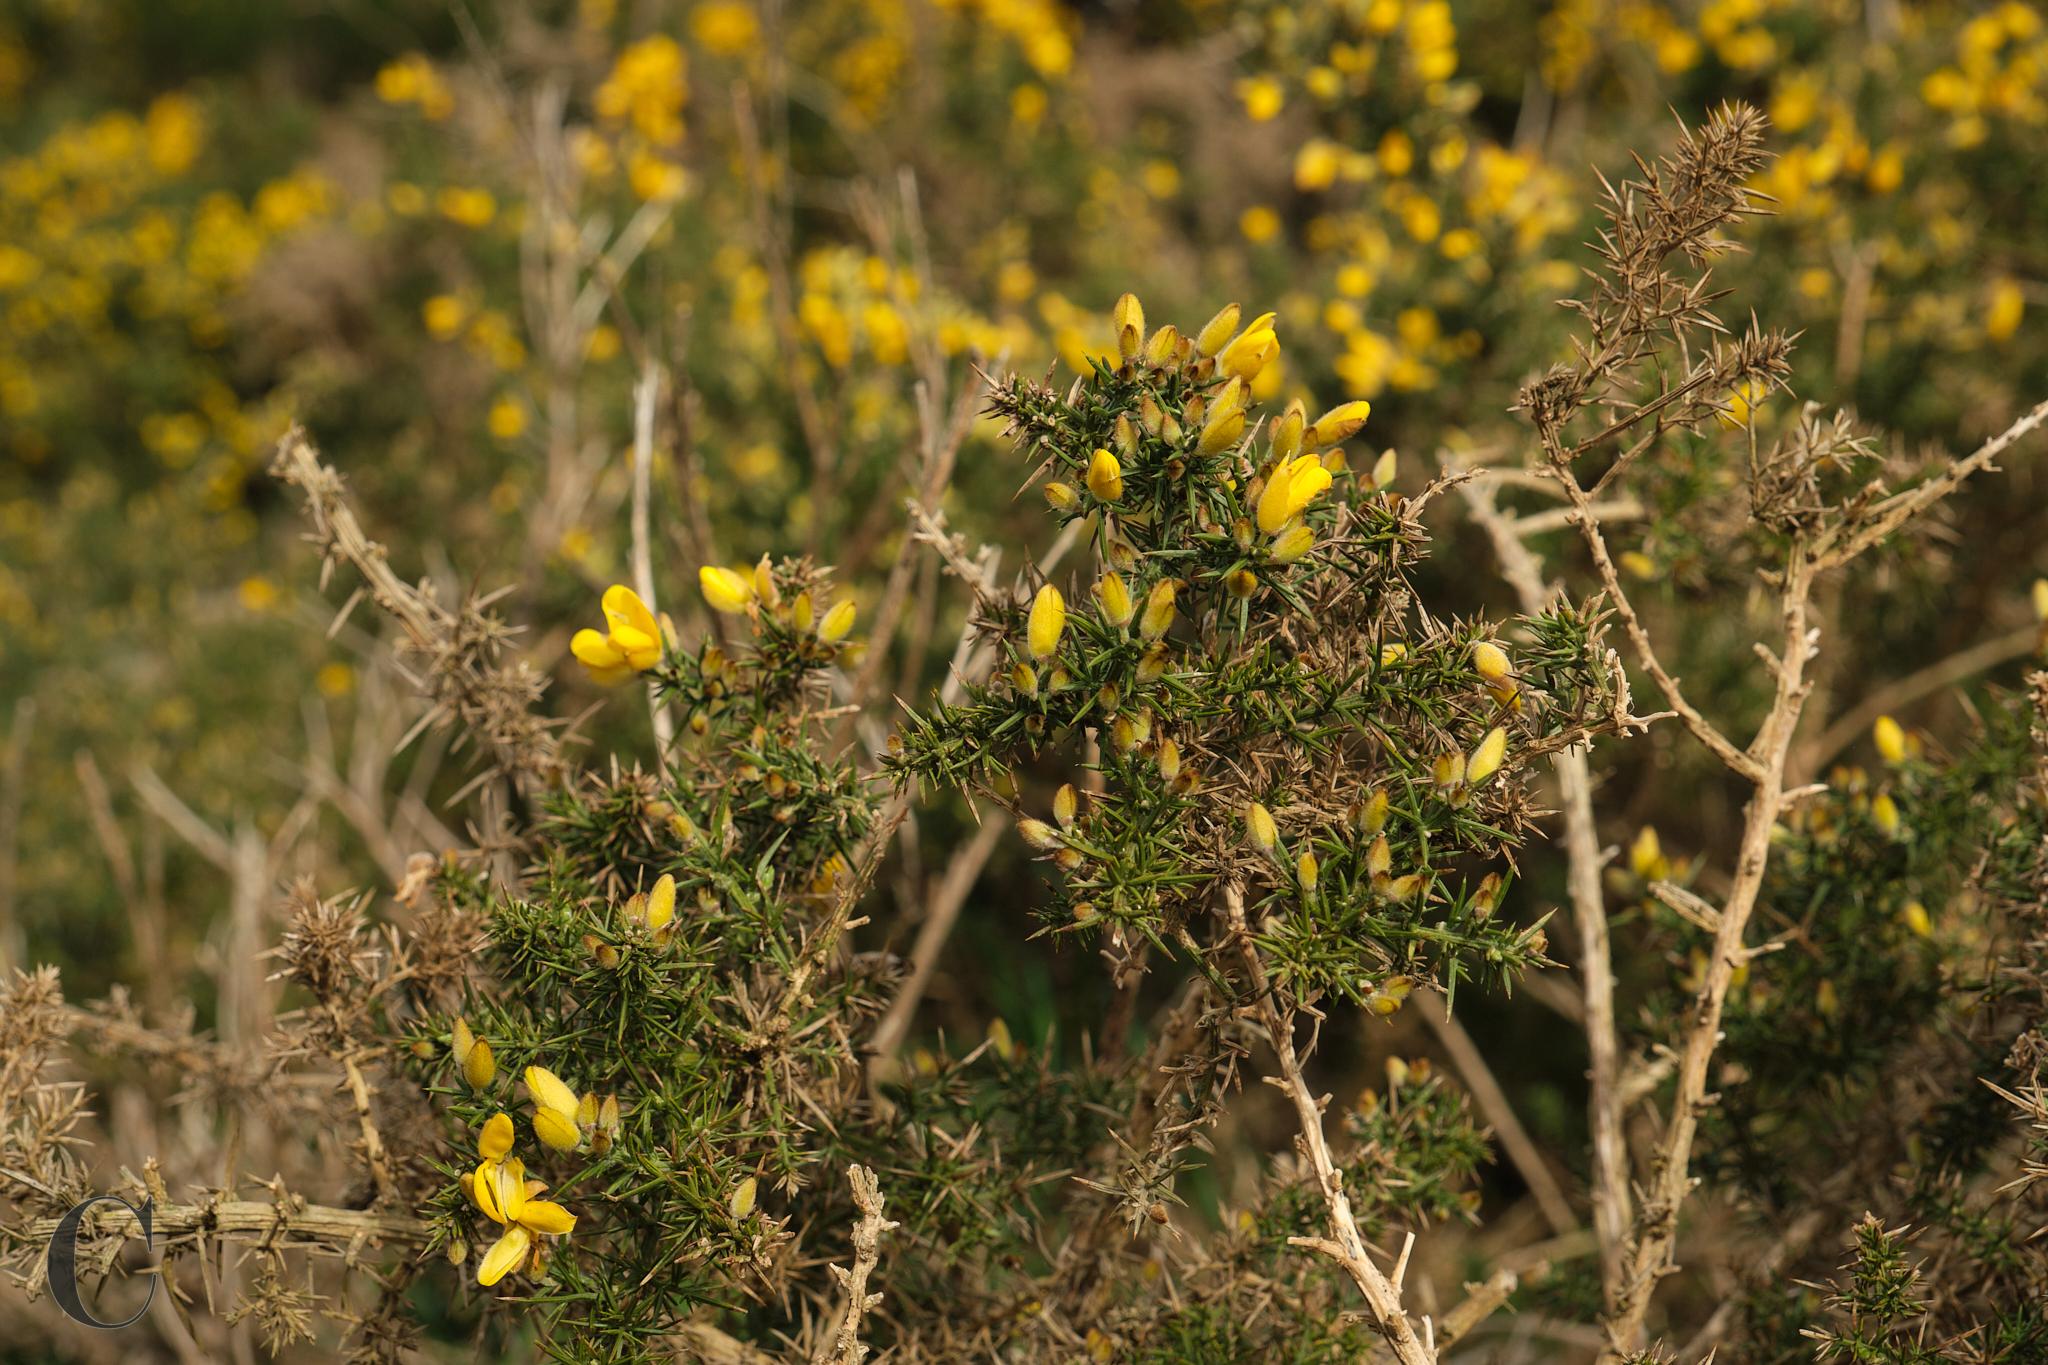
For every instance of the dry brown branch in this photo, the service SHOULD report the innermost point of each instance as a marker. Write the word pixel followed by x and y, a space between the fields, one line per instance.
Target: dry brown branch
pixel 846 1347
pixel 1347 1245
pixel 1830 552
pixel 463 680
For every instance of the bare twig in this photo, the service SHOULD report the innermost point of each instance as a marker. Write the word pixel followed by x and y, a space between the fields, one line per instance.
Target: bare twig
pixel 846 1347
pixel 1347 1245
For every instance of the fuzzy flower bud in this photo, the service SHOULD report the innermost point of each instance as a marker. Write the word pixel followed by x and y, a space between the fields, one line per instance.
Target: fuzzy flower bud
pixel 1159 610
pixel 1129 317
pixel 1486 759
pixel 1217 331
pixel 725 590
pixel 1048 621
pixel 1117 606
pixel 1258 822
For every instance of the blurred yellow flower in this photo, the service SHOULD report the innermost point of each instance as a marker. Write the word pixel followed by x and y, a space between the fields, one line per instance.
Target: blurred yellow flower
pixel 630 644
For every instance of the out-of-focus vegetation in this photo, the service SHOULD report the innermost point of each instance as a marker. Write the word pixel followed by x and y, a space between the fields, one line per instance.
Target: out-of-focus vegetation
pixel 455 241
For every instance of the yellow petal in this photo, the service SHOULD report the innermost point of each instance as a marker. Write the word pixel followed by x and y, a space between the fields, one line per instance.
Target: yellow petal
pixel 596 651
pixel 556 1128
pixel 1306 483
pixel 495 1141
pixel 512 1188
pixel 484 1188
pixel 544 1215
pixel 661 902
pixel 1338 423
pixel 725 590
pixel 1159 611
pixel 625 611
pixel 506 1255
pixel 550 1091
pixel 1273 513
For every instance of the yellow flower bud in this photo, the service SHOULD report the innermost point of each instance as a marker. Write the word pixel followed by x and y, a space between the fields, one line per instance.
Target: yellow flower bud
pixel 1039 834
pixel 764 584
pixel 1220 433
pixel 1379 859
pixel 1161 349
pixel 1065 802
pixel 1287 432
pixel 1117 606
pixel 999 1040
pixel 1486 759
pixel 1258 821
pixel 556 1129
pixel 725 590
pixel 837 624
pixel 1383 470
pixel 1047 623
pixel 1105 477
pixel 742 1201
pixel 1159 610
pixel 1884 812
pixel 803 612
pixel 2041 599
pixel 1217 331
pixel 1918 920
pixel 480 1068
pixel 1646 856
pixel 1129 317
pixel 1124 436
pixel 1292 544
pixel 1169 759
pixel 661 902
pixel 1152 666
pixel 1338 424
pixel 1372 813
pixel 1242 584
pixel 1025 679
pixel 1306 868
pixel 1061 496
pixel 1491 660
pixel 1890 738
pixel 1448 771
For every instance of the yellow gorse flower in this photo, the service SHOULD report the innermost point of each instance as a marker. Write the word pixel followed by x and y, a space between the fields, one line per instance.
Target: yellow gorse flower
pixel 724 589
pixel 630 643
pixel 1890 738
pixel 507 1198
pixel 1338 424
pixel 1291 488
pixel 1105 477
pixel 554 1109
pixel 1251 351
pixel 1047 622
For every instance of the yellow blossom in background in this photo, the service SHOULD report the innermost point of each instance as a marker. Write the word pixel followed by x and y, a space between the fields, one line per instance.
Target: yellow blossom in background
pixel 726 27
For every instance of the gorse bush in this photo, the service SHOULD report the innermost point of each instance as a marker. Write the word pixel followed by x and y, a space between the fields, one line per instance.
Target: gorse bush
pixel 1138 870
